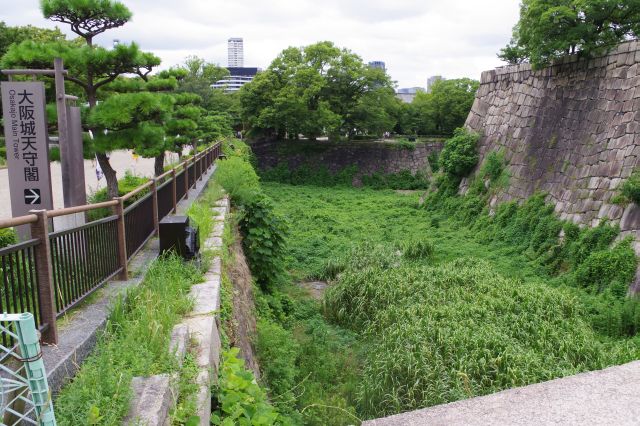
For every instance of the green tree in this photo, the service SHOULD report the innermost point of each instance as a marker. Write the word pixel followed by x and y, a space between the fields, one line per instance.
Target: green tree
pixel 315 90
pixel 444 109
pixel 90 67
pixel 550 29
pixel 16 35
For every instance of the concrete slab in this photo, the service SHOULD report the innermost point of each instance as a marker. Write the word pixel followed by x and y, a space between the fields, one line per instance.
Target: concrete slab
pixel 206 296
pixel 204 398
pixel 179 342
pixel 204 331
pixel 213 243
pixel 604 397
pixel 153 398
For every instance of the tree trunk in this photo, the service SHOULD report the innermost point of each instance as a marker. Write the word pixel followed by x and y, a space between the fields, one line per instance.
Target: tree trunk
pixel 158 165
pixel 109 174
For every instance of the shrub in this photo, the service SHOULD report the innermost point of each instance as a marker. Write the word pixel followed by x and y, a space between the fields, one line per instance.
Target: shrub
pixel 239 398
pixel 277 345
pixel 54 154
pixel 434 161
pixel 264 234
pixel 493 166
pixel 125 185
pixel 605 268
pixel 460 155
pixel 631 188
pixel 8 237
pixel 239 179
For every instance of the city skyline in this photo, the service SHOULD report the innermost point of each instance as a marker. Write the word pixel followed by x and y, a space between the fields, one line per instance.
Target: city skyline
pixel 415 39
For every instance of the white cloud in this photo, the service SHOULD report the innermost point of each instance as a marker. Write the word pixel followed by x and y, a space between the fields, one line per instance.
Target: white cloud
pixel 416 38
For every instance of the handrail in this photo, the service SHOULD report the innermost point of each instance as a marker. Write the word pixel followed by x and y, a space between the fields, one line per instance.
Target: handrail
pixel 80 209
pixel 31 218
pixel 17 221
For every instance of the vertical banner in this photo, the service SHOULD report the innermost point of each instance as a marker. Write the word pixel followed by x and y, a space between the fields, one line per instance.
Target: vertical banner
pixel 25 131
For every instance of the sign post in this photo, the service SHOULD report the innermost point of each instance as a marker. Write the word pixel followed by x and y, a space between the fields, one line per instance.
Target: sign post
pixel 25 131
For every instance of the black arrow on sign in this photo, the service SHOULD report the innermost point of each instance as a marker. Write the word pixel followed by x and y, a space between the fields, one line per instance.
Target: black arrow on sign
pixel 32 196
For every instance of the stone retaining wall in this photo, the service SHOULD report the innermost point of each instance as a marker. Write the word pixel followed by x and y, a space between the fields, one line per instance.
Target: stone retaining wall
pixel 571 130
pixel 368 156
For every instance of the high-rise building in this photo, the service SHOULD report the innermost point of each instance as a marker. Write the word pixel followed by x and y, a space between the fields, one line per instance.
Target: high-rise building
pixel 236 52
pixel 238 77
pixel 431 81
pixel 377 64
pixel 408 93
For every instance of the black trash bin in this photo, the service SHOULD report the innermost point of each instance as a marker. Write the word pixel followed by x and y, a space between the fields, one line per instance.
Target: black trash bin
pixel 177 235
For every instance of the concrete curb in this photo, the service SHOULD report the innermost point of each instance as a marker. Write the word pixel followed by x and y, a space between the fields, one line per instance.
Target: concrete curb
pixel 200 332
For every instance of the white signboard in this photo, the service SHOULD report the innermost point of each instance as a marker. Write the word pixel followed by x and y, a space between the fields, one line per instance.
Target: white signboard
pixel 25 131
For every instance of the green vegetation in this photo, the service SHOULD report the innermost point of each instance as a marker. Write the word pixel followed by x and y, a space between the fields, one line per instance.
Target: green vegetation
pixel 456 330
pixel 7 237
pixel 318 175
pixel 460 153
pixel 549 29
pixel 440 111
pixel 630 189
pixel 437 302
pixel 125 185
pixel 319 90
pixel 54 154
pixel 134 343
pixel 240 400
pixel 200 211
pixel 186 406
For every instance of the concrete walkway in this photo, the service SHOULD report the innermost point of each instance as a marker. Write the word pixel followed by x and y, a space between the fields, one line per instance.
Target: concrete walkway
pixel 605 397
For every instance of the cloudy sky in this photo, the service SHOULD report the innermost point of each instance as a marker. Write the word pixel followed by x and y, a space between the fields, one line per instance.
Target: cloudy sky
pixel 416 38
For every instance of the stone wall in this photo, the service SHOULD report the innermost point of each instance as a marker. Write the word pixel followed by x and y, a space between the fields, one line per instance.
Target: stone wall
pixel 571 130
pixel 368 156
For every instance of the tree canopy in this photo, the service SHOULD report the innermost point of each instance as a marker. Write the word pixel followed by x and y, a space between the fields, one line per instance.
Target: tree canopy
pixel 91 67
pixel 550 29
pixel 318 90
pixel 440 111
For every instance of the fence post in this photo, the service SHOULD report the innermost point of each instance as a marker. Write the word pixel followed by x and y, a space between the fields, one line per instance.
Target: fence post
pixel 47 295
pixel 186 179
pixel 201 163
pixel 122 240
pixel 174 192
pixel 154 201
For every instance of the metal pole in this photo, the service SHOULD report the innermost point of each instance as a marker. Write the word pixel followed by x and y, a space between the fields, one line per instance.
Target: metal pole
pixel 154 191
pixel 122 240
pixel 63 131
pixel 34 369
pixel 46 292
pixel 174 191
pixel 186 179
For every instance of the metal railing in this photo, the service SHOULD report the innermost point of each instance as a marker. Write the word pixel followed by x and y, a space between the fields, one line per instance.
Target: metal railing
pixel 55 271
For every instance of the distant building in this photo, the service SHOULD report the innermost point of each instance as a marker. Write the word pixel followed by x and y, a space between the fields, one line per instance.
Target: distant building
pixel 408 93
pixel 238 77
pixel 235 48
pixel 431 81
pixel 377 64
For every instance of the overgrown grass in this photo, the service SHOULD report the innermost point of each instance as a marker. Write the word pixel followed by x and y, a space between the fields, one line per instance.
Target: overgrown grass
pixel 200 211
pixel 538 306
pixel 458 330
pixel 135 342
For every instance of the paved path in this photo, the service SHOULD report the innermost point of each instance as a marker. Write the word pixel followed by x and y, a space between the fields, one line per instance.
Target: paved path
pixel 121 161
pixel 605 397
